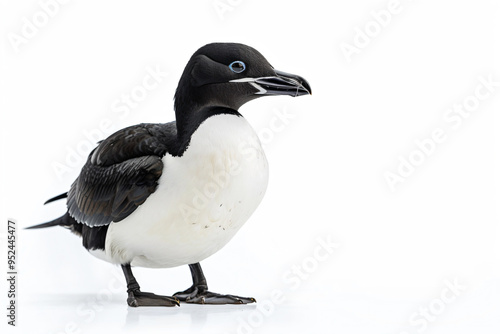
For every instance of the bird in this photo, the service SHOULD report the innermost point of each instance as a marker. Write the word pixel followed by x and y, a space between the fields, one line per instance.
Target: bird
pixel 162 195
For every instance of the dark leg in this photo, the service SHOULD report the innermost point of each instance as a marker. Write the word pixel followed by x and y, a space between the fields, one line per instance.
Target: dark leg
pixel 198 293
pixel 138 298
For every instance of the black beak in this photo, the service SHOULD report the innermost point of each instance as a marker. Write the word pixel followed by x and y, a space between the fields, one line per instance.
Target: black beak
pixel 284 84
pixel 280 84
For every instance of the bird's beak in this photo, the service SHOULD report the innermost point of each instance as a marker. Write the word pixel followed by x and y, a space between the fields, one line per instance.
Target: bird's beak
pixel 280 84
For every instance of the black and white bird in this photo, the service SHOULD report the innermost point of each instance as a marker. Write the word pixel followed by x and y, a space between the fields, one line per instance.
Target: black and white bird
pixel 165 195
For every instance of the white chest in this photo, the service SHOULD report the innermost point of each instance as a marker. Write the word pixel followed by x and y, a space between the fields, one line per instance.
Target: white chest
pixel 203 198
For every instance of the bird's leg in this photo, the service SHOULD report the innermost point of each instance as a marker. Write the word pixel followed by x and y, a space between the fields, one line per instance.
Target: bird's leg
pixel 138 298
pixel 198 293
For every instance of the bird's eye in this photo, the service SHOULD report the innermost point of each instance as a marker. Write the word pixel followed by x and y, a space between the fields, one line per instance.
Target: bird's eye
pixel 237 66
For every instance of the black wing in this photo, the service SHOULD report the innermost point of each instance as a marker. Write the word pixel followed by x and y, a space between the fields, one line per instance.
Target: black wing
pixel 120 174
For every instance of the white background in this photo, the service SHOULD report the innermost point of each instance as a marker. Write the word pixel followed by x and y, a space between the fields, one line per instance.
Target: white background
pixel 396 248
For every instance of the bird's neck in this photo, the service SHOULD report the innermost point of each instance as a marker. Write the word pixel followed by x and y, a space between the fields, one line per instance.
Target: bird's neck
pixel 193 105
pixel 187 107
pixel 190 116
pixel 186 116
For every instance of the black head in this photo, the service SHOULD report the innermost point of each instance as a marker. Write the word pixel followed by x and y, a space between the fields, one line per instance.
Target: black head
pixel 229 75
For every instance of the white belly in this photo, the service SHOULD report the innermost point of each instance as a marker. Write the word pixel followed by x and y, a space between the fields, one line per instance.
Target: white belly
pixel 202 200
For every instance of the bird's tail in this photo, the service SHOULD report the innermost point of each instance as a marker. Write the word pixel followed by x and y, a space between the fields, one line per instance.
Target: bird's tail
pixel 56 198
pixel 65 220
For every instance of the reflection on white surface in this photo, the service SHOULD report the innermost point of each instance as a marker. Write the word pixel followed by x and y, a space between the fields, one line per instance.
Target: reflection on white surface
pixel 338 312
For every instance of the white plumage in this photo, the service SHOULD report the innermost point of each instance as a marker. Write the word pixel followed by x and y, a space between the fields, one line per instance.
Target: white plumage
pixel 202 200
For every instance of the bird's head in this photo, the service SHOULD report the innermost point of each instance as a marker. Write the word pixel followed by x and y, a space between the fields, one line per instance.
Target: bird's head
pixel 231 74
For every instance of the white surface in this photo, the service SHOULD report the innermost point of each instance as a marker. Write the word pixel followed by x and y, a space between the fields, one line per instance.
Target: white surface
pixel 68 85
